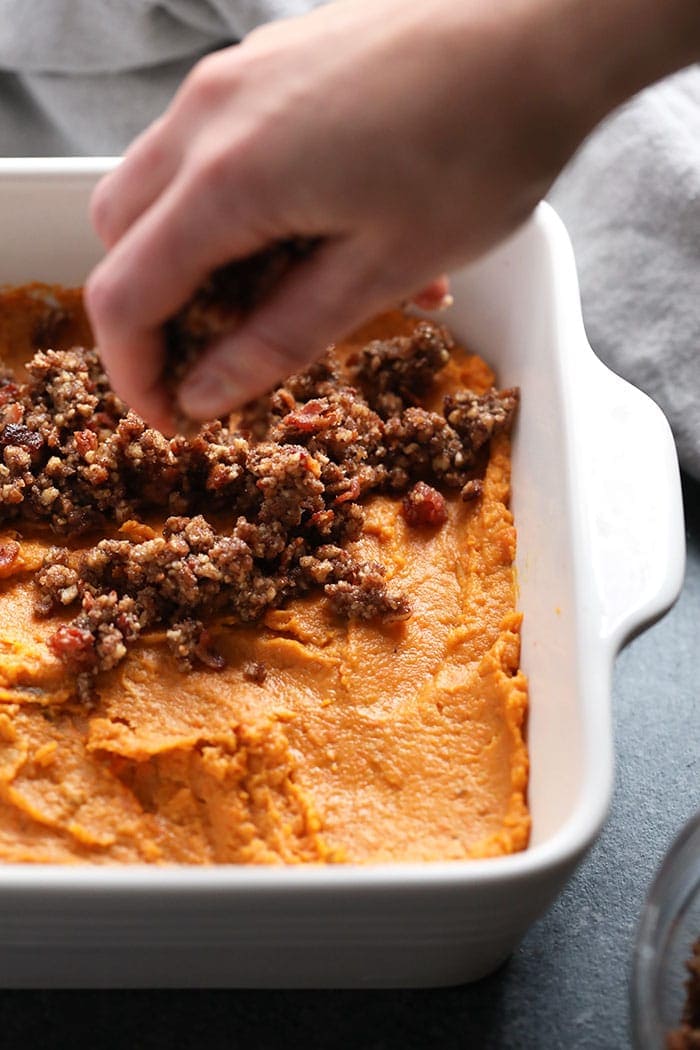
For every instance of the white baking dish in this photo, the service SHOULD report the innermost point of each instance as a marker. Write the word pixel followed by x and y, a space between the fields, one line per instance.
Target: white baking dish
pixel 600 554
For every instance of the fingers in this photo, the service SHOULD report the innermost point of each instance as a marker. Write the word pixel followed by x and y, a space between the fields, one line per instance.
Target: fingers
pixel 148 275
pixel 123 195
pixel 321 300
pixel 155 156
pixel 150 398
pixel 434 296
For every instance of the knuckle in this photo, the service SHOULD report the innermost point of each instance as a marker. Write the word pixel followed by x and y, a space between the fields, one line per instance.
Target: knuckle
pixel 213 174
pixel 151 153
pixel 208 82
pixel 257 35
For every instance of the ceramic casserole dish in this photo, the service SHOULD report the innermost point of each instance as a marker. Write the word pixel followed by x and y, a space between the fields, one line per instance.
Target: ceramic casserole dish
pixel 600 555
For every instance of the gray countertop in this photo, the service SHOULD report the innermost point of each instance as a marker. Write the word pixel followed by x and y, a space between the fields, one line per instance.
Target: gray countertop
pixel 567 985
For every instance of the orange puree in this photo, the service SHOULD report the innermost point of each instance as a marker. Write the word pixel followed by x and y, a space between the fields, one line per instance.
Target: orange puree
pixel 364 742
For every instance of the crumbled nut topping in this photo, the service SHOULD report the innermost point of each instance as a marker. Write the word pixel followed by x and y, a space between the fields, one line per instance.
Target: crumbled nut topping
pixel 290 478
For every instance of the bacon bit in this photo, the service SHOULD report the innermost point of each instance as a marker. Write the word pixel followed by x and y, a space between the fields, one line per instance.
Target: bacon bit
pixel 9 392
pixel 85 441
pixel 9 553
pixel 310 418
pixel 352 492
pixel 322 519
pixel 136 531
pixel 207 654
pixel 310 463
pixel 472 490
pixel 75 645
pixel 424 505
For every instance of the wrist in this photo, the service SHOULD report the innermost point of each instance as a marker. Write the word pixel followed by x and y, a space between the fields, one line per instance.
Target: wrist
pixel 595 54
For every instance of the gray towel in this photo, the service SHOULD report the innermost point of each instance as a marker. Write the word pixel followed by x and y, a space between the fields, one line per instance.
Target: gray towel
pixel 631 202
pixel 85 76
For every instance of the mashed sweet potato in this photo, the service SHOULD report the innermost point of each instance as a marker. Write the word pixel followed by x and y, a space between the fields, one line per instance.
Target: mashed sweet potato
pixel 358 742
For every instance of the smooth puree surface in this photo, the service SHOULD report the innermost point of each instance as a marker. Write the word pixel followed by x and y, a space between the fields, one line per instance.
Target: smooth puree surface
pixel 364 743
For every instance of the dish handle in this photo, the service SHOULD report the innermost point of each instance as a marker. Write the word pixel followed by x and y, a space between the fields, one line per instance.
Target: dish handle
pixel 634 506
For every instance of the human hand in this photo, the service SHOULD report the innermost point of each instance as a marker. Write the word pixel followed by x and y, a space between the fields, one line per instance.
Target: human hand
pixel 404 139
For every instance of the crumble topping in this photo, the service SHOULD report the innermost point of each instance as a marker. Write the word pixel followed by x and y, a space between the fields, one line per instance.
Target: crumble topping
pixel 288 477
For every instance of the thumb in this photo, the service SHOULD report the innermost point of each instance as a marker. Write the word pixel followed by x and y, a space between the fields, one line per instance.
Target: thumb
pixel 319 301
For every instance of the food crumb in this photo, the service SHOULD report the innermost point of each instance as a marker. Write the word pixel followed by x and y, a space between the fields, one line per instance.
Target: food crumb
pixel 255 672
pixel 424 505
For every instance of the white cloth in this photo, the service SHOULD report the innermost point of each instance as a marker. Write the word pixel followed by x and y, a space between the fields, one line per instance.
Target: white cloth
pixel 85 76
pixel 631 202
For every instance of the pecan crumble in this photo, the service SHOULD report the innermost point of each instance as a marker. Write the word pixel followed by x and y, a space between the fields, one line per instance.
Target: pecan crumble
pixel 289 477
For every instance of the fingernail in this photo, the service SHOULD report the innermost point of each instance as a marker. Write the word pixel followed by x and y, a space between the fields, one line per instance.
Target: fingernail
pixel 207 394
